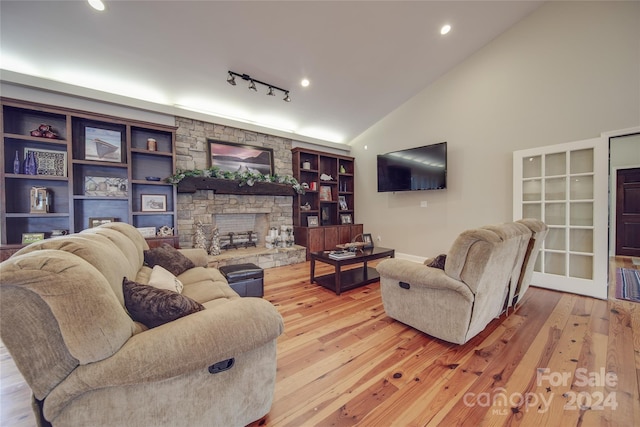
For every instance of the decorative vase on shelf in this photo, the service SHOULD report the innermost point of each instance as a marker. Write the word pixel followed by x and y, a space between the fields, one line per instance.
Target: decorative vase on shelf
pixel 16 163
pixel 30 167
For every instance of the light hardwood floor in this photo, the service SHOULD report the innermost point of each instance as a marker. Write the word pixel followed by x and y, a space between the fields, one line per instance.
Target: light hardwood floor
pixel 343 362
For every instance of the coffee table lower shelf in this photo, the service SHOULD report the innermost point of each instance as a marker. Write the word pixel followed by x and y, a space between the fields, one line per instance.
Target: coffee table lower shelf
pixel 349 279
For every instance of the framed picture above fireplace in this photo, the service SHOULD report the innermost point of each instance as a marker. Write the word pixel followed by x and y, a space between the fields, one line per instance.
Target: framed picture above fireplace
pixel 231 157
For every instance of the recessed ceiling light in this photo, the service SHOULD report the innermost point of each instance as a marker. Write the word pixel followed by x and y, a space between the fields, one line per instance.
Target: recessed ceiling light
pixel 97 4
pixel 445 29
pixel 304 83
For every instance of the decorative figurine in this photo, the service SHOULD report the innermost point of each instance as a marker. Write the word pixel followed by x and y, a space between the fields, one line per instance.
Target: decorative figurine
pixel 165 231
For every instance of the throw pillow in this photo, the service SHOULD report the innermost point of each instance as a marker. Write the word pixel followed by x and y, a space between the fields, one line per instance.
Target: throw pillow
pixel 438 262
pixel 154 307
pixel 163 279
pixel 168 257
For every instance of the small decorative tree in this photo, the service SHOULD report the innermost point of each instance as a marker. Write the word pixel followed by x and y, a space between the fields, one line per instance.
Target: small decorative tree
pixel 200 240
pixel 215 242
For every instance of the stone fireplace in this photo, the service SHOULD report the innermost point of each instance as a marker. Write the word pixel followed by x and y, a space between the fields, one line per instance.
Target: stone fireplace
pixel 247 212
pixel 238 213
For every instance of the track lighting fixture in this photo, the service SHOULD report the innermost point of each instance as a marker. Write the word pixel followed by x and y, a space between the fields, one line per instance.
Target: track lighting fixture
pixel 252 84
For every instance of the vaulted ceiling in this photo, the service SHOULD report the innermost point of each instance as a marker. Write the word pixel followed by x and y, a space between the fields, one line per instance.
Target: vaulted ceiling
pixel 363 58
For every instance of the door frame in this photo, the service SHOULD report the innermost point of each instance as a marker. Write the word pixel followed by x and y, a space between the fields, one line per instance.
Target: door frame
pixel 612 183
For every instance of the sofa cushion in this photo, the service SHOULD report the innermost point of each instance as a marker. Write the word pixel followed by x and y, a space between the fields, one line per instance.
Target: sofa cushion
pixel 168 257
pixel 154 307
pixel 206 284
pixel 163 279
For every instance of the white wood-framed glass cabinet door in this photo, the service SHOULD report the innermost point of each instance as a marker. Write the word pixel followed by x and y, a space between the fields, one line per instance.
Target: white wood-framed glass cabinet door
pixel 565 185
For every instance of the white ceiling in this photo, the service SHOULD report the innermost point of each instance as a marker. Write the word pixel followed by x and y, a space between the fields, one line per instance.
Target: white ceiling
pixel 363 58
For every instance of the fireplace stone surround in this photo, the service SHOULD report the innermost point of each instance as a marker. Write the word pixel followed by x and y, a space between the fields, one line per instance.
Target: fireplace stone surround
pixel 203 205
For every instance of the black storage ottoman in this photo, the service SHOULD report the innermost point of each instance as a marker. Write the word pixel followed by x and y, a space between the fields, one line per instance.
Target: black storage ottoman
pixel 245 279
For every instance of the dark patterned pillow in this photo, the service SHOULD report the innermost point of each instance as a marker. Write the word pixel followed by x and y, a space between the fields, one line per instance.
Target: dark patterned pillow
pixel 154 307
pixel 438 262
pixel 169 258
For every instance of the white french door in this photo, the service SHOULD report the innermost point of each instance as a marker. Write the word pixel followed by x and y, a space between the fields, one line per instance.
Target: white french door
pixel 565 185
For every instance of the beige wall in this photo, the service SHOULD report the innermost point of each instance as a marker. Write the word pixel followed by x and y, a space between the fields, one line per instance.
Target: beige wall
pixel 569 71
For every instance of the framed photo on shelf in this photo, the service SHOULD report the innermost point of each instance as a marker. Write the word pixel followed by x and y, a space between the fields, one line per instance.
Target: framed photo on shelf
pixel 342 200
pixel 102 145
pixel 312 221
pixel 153 202
pixel 50 162
pixel 229 157
pixel 106 186
pixel 31 237
pixel 325 215
pixel 325 193
pixel 368 240
pixel 147 231
pixel 94 222
pixel 345 218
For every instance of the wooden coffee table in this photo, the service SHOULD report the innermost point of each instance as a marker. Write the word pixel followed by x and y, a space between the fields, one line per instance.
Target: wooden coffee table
pixel 352 278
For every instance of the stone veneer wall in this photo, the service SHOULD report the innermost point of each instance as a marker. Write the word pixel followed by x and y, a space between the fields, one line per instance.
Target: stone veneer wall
pixel 192 153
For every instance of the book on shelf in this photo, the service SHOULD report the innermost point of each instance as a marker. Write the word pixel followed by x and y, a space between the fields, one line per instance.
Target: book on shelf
pixel 341 254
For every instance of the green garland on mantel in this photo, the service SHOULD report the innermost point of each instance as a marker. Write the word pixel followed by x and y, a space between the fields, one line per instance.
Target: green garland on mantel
pixel 244 178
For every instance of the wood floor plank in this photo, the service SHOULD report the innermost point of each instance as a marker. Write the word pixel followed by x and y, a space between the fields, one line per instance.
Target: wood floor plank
pixel 524 380
pixel 620 357
pixel 503 364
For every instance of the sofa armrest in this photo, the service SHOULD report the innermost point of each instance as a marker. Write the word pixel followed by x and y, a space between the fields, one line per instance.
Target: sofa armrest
pixel 419 275
pixel 187 344
pixel 197 255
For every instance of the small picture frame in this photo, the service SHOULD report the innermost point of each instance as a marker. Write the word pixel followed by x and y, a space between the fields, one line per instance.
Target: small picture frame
pixel 345 218
pixel 102 145
pixel 342 200
pixel 94 222
pixel 367 240
pixel 147 231
pixel 312 221
pixel 153 202
pixel 325 193
pixel 28 238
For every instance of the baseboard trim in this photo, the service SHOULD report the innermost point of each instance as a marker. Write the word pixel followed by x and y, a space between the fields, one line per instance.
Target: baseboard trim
pixel 410 257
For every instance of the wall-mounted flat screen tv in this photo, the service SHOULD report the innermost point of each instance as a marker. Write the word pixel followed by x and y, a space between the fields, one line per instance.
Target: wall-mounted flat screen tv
pixel 420 168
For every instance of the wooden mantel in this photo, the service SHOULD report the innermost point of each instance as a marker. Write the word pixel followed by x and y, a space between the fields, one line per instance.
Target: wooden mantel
pixel 227 186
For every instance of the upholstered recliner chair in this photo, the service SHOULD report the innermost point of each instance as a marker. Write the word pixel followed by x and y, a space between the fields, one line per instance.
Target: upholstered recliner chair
pixel 539 232
pixel 64 320
pixel 457 302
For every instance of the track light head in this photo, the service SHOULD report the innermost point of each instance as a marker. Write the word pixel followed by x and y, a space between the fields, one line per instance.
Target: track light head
pixel 286 98
pixel 231 79
pixel 270 93
pixel 252 86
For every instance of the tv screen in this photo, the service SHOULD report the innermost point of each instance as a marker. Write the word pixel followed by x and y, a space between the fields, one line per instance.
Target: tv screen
pixel 420 168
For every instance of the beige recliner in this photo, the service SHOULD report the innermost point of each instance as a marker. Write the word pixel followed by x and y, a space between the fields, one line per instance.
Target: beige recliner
pixel 475 286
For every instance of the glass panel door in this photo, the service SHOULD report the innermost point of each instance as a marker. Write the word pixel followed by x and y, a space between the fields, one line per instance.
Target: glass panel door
pixel 565 185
